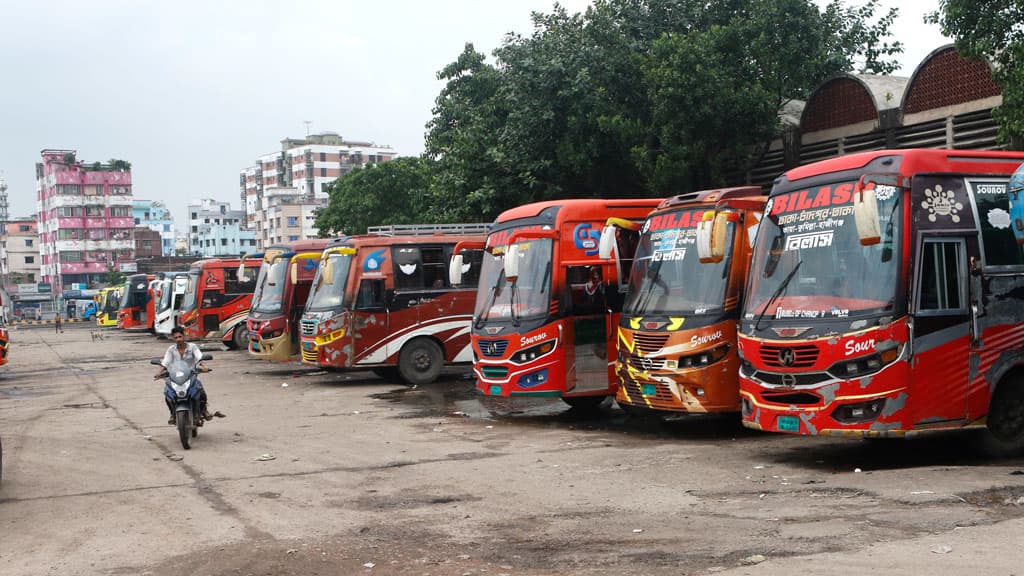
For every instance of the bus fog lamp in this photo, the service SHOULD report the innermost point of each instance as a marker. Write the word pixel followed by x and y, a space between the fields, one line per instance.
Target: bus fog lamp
pixel 532 379
pixel 859 412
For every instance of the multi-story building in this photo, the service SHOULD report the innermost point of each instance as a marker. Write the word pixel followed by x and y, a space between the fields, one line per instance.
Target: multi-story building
pixel 217 230
pixel 284 215
pixel 147 243
pixel 85 218
pixel 308 165
pixel 154 215
pixel 20 247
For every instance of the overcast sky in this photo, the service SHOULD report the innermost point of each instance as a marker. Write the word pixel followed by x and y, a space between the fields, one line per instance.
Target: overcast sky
pixel 191 92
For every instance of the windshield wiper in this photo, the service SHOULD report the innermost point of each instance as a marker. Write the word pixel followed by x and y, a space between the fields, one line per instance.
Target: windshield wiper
pixel 654 275
pixel 492 298
pixel 777 293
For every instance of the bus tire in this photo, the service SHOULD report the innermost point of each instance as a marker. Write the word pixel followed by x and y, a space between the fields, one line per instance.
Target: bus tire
pixel 420 361
pixel 1004 434
pixel 240 339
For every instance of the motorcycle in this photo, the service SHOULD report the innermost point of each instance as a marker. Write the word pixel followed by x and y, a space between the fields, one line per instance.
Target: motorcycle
pixel 181 388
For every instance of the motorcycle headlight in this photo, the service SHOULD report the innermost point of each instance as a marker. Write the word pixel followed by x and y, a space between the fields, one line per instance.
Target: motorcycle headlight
pixel 181 393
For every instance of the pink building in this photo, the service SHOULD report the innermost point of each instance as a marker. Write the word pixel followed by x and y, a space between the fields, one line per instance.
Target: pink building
pixel 85 219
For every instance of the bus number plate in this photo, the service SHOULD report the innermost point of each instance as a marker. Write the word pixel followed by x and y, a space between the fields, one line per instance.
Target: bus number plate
pixel 649 389
pixel 788 424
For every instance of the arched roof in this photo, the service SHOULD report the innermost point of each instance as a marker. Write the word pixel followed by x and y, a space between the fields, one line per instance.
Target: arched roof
pixel 847 99
pixel 945 78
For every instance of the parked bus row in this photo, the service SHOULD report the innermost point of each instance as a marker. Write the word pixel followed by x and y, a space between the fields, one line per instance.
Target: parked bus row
pixel 875 294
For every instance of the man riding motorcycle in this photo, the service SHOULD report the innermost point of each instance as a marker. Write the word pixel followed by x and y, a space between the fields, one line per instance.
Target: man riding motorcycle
pixel 189 353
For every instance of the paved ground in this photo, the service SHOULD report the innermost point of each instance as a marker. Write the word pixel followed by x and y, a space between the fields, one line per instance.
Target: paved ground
pixel 334 473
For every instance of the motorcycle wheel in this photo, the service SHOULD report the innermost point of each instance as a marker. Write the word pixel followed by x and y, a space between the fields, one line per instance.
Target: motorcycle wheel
pixel 184 428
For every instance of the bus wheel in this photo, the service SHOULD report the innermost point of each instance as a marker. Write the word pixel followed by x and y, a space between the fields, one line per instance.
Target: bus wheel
pixel 389 373
pixel 1005 434
pixel 240 339
pixel 584 403
pixel 420 361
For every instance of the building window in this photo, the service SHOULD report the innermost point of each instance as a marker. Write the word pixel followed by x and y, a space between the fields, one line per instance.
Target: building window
pixel 323 172
pixel 30 259
pixel 95 211
pixel 167 227
pixel 147 244
pixel 293 221
pixel 120 211
pixel 223 241
pixel 71 211
pixel 70 234
pixel 97 234
pixel 31 278
pixel 94 190
pixel 323 157
pixel 137 222
pixel 69 189
pixel 71 256
pixel 24 228
pixel 195 229
pixel 120 190
pixel 293 238
pixel 195 216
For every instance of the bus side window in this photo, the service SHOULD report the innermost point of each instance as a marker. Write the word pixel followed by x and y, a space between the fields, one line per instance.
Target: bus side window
pixel 408 267
pixel 586 287
pixel 943 270
pixel 472 262
pixel 435 269
pixel 233 286
pixel 371 295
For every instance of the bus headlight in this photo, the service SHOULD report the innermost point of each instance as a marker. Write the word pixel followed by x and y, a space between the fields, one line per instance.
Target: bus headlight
pixel 886 352
pixel 701 359
pixel 533 352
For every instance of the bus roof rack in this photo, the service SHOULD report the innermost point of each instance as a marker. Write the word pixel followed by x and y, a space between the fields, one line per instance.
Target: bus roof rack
pixel 425 229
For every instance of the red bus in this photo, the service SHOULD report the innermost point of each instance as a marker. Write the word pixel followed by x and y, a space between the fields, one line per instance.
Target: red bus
pixel 383 302
pixel 885 297
pixel 217 300
pixel 547 302
pixel 138 305
pixel 677 333
pixel 282 288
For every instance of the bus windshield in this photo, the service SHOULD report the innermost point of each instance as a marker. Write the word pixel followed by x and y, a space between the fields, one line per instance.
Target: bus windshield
pixel 808 261
pixel 498 299
pixel 137 294
pixel 328 289
pixel 113 302
pixel 188 301
pixel 668 278
pixel 269 294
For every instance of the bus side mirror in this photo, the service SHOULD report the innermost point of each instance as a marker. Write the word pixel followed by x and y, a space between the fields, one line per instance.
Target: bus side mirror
pixel 455 270
pixel 607 243
pixel 295 271
pixel 711 238
pixel 865 214
pixel 241 270
pixel 511 262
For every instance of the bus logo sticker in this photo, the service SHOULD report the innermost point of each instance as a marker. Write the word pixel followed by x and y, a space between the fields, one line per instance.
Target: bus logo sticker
pixel 407 269
pixel 941 202
pixel 787 356
pixel 999 218
pixel 374 261
pixel 585 237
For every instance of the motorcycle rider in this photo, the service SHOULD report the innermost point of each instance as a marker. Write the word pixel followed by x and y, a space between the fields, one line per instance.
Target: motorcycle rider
pixel 191 355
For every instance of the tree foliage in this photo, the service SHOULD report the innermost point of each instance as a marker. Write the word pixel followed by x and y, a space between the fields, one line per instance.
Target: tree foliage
pixel 630 98
pixel 992 30
pixel 393 192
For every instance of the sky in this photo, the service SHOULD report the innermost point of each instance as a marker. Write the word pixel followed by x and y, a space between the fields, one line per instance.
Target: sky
pixel 191 92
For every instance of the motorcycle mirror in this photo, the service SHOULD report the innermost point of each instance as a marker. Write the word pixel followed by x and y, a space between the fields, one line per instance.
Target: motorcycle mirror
pixel 207 357
pixel 154 361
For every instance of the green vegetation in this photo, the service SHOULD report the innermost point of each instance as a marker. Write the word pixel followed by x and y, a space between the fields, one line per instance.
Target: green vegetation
pixel 991 30
pixel 632 98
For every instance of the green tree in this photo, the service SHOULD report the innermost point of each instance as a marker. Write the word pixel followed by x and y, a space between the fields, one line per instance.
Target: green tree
pixel 393 192
pixel 114 277
pixel 992 30
pixel 636 97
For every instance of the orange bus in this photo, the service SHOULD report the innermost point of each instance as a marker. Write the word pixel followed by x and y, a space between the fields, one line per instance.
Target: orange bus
pixel 547 302
pixel 677 333
pixel 138 305
pixel 383 302
pixel 282 287
pixel 885 297
pixel 217 300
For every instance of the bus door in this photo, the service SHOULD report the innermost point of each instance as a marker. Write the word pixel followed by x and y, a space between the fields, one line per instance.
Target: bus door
pixel 586 329
pixel 944 344
pixel 370 320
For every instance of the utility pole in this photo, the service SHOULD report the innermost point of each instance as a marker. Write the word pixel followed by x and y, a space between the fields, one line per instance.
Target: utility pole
pixel 307 123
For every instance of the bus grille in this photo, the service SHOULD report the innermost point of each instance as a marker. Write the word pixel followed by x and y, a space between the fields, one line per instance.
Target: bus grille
pixel 493 348
pixel 662 396
pixel 494 371
pixel 309 327
pixel 310 356
pixel 646 342
pixel 641 363
pixel 800 356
